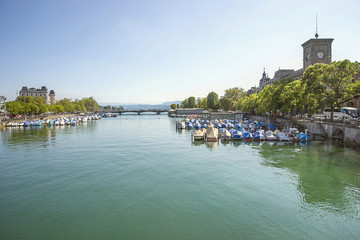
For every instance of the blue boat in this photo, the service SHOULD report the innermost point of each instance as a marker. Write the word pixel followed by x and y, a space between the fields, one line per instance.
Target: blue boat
pixel 237 135
pixel 248 136
pixel 204 125
pixel 221 130
pixel 189 125
pixel 259 135
pixel 272 127
pixel 303 137
pixel 197 126
pixel 232 130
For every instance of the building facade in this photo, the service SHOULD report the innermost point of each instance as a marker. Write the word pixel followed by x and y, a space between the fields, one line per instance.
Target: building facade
pixel 2 102
pixel 315 50
pixel 41 92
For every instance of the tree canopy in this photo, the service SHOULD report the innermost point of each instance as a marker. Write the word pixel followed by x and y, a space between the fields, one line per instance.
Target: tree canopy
pixel 36 105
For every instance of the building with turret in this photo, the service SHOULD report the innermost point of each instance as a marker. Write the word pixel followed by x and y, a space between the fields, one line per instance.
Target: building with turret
pixel 52 97
pixel 41 92
pixel 315 50
pixel 2 103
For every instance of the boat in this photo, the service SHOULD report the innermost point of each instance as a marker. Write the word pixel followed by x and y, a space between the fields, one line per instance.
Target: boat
pixel 237 136
pixel 226 135
pixel 259 135
pixel 212 134
pixel 294 131
pixel 180 125
pixel 199 135
pixel 269 136
pixel 281 136
pixel 248 136
pixel 303 137
pixel 232 130
pixel 189 125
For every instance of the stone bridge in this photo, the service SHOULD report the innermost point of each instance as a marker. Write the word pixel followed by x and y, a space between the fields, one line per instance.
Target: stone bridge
pixel 157 111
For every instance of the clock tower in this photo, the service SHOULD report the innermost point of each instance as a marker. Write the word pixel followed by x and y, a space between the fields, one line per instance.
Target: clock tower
pixel 317 50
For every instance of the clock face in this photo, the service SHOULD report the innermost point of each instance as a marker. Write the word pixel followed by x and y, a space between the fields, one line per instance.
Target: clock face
pixel 320 55
pixel 307 57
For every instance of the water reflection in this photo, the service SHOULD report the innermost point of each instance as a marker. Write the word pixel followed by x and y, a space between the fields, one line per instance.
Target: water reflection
pixel 22 137
pixel 328 175
pixel 212 145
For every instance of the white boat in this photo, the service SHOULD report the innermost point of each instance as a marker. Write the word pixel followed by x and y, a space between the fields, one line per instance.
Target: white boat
pixel 180 125
pixel 269 136
pixel 199 135
pixel 282 137
pixel 226 135
pixel 212 134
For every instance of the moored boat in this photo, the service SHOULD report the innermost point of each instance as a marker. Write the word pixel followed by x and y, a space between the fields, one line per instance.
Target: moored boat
pixel 237 136
pixel 248 136
pixel 269 136
pixel 212 134
pixel 259 135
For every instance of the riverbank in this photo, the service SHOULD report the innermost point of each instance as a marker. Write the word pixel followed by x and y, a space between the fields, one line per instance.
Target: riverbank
pixel 318 130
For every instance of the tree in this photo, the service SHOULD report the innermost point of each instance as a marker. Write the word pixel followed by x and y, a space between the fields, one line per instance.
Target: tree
pixel 191 102
pixel 235 93
pixel 173 106
pixel 293 96
pixel 227 103
pixel 201 102
pixel 249 103
pixel 330 85
pixel 39 100
pixel 184 104
pixel 13 107
pixel 213 101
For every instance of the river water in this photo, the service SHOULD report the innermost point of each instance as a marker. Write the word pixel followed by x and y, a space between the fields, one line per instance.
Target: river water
pixel 136 177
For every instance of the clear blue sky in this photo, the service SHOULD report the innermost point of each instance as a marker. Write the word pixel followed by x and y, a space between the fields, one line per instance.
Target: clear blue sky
pixel 157 51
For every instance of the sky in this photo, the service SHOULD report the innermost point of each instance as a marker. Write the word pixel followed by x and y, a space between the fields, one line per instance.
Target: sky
pixel 150 52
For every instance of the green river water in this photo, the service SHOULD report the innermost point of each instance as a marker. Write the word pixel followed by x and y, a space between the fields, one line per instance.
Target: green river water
pixel 136 177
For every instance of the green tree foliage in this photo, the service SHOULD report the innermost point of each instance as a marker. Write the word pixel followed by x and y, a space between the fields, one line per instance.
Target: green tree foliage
pixel 173 106
pixel 191 102
pixel 13 107
pixel 201 102
pixel 249 103
pixel 213 101
pixel 184 104
pixel 330 85
pixel 227 103
pixel 321 86
pixel 31 105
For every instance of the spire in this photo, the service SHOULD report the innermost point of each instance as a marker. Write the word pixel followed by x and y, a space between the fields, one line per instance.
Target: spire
pixel 316 34
pixel 264 74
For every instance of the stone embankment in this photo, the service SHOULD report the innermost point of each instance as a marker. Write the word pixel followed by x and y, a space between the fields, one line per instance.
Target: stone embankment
pixel 346 132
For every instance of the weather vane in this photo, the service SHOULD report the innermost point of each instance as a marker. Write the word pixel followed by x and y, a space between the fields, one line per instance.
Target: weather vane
pixel 316 34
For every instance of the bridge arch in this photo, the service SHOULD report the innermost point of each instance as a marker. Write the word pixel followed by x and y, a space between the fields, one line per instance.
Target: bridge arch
pixel 339 134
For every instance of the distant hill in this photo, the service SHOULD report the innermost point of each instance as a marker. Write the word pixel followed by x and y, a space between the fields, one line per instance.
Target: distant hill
pixel 169 103
pixel 133 106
